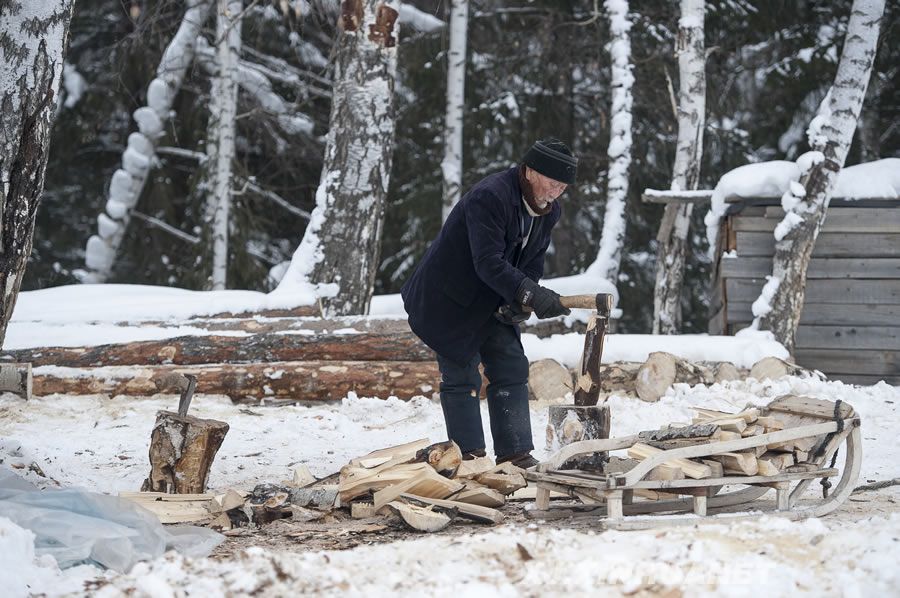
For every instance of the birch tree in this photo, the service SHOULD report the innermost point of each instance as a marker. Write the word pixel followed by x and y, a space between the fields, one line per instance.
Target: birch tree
pixel 673 230
pixel 220 147
pixel 451 166
pixel 33 38
pixel 128 181
pixel 609 257
pixel 338 256
pixel 781 302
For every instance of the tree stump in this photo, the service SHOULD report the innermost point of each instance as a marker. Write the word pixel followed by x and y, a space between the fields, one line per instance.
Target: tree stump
pixel 572 423
pixel 182 449
pixel 548 380
pixel 16 378
pixel 662 370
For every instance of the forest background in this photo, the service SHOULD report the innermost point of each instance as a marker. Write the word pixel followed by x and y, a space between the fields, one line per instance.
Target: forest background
pixel 534 69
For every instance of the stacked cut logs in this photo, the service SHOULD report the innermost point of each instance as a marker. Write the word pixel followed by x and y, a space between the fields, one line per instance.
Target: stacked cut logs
pixel 717 426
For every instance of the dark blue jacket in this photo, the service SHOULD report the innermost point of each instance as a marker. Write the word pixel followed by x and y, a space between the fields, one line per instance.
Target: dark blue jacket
pixel 468 271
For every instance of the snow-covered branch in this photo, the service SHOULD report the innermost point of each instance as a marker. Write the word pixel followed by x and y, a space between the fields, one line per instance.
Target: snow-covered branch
pixel 128 181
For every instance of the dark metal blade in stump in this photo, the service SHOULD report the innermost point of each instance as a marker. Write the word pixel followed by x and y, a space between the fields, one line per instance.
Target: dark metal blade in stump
pixel 182 450
pixel 587 386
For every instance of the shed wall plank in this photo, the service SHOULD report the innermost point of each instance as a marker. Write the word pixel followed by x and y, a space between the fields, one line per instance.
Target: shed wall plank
pixel 827 290
pixel 827 244
pixel 857 268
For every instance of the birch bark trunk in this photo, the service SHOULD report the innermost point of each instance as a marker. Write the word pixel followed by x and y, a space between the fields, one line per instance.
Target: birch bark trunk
pixel 612 238
pixel 128 181
pixel 337 259
pixel 220 147
pixel 781 302
pixel 34 37
pixel 672 235
pixel 451 166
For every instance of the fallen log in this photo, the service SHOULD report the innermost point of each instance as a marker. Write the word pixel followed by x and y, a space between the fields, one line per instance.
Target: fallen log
pixel 289 345
pixel 270 382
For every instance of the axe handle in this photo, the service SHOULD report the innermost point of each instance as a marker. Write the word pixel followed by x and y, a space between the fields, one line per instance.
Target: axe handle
pixel 586 302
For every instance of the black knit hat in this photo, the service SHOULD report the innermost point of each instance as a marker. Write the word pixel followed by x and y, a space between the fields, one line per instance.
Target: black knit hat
pixel 552 158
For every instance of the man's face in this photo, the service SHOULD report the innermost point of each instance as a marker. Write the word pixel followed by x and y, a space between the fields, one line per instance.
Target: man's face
pixel 546 190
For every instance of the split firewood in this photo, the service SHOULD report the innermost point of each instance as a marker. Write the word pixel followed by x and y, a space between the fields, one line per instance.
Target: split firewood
pixel 403 451
pixel 549 380
pixel 320 496
pixel 691 469
pixel 766 467
pixel 753 430
pixel 738 463
pixel 504 483
pixel 780 460
pixel 718 471
pixel 473 512
pixel 478 494
pixel 301 477
pixel 801 456
pixel 770 423
pixel 268 502
pixel 662 370
pixel 710 416
pixel 174 508
pixel 664 472
pixel 362 510
pixel 424 480
pixel 444 457
pixel 474 467
pixel 227 501
pixel 221 523
pixel 423 519
pixel 426 483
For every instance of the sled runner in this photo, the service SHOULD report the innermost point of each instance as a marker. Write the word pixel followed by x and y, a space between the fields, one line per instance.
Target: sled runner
pixel 681 469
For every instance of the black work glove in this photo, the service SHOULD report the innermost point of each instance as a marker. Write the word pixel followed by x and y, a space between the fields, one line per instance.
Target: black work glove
pixel 512 314
pixel 544 301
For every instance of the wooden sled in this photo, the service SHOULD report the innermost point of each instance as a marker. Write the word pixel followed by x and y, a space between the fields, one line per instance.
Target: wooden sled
pixel 612 497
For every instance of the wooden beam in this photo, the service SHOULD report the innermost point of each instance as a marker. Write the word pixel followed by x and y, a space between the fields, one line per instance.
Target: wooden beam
pixel 860 221
pixel 866 362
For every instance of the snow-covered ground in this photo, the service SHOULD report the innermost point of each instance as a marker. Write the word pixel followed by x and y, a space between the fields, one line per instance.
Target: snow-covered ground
pixel 101 444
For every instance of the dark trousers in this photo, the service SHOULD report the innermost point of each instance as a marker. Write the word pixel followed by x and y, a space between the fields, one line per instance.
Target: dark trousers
pixel 506 369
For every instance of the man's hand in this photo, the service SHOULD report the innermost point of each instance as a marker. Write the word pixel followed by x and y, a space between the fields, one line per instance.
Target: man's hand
pixel 512 314
pixel 545 302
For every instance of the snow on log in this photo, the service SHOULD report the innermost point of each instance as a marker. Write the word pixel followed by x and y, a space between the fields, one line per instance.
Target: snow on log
pixel 283 382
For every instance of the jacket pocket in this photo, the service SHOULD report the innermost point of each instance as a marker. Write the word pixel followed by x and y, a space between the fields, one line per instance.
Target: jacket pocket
pixel 463 294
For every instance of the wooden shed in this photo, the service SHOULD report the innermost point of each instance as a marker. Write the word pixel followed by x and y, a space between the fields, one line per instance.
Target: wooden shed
pixel 850 325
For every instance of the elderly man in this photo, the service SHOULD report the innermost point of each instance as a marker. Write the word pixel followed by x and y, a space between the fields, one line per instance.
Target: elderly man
pixel 466 298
